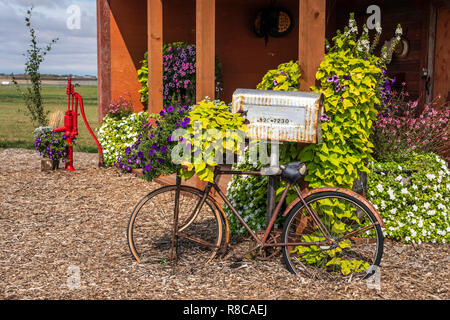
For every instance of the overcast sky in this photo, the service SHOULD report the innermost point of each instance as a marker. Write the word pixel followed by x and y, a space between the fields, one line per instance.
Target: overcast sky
pixel 74 53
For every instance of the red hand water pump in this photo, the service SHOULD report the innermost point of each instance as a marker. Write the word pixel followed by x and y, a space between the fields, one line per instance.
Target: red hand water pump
pixel 70 127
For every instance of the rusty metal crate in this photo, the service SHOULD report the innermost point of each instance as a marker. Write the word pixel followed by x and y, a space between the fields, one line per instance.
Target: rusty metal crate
pixel 291 116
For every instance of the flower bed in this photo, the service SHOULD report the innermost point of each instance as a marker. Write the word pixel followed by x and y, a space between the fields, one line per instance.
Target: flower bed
pixel 152 149
pixel 116 134
pixel 413 198
pixel 199 135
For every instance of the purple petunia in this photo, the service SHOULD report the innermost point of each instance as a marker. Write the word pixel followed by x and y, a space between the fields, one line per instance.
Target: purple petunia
pixel 324 118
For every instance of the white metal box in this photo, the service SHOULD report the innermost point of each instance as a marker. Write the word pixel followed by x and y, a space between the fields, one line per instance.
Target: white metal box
pixel 291 116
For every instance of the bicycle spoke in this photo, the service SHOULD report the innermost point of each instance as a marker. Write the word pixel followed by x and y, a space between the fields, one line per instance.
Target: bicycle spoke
pixel 346 220
pixel 151 228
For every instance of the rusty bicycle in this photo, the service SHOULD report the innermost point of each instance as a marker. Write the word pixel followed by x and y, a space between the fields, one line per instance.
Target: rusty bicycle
pixel 322 227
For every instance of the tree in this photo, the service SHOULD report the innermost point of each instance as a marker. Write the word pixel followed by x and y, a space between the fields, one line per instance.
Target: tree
pixel 32 95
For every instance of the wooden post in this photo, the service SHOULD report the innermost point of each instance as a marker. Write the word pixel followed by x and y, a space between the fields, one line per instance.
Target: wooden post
pixel 311 42
pixel 205 43
pixel 155 55
pixel 103 58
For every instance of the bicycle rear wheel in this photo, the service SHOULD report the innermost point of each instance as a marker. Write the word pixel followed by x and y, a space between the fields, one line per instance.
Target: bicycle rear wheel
pixel 357 237
pixel 150 228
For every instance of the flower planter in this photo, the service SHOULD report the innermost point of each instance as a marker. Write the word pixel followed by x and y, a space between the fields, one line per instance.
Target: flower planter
pixel 49 164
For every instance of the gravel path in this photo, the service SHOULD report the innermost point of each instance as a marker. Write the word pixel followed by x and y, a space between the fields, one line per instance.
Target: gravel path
pixel 54 224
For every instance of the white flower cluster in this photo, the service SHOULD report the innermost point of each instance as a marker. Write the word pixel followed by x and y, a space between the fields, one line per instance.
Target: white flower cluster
pixel 248 194
pixel 414 208
pixel 115 135
pixel 398 32
pixel 248 198
pixel 363 45
pixel 352 27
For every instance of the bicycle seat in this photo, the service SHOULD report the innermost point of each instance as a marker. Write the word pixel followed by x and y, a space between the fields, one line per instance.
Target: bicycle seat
pixel 293 171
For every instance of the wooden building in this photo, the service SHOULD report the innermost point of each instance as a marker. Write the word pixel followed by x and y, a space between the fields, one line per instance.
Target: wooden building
pixel 127 29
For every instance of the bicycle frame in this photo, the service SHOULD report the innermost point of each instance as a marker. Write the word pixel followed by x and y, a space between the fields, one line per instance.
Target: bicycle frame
pixel 263 241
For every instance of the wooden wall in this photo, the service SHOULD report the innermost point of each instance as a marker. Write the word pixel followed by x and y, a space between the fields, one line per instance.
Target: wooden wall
pixel 128 43
pixel 244 56
pixel 442 57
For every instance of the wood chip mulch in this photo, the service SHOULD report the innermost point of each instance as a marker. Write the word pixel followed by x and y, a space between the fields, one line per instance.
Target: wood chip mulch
pixel 55 222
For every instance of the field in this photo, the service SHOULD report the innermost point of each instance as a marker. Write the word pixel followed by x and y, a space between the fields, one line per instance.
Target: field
pixel 16 128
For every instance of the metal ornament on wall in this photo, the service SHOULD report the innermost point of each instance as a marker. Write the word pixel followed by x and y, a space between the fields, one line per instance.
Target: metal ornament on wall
pixel 274 22
pixel 401 50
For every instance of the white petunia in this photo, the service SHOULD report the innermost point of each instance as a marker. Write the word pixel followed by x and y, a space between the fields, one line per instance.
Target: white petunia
pixel 391 194
pixel 380 187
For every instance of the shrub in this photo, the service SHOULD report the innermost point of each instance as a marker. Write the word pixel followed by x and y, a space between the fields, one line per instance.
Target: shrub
pixel 153 147
pixel 284 78
pixel 34 57
pixel 413 198
pixel 212 131
pixel 401 130
pixel 179 67
pixel 115 135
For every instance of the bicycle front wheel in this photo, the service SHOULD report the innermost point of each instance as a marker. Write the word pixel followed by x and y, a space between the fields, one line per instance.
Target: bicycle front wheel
pixel 150 229
pixel 356 235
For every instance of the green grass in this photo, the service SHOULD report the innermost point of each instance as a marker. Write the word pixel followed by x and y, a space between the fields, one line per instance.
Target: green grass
pixel 16 128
